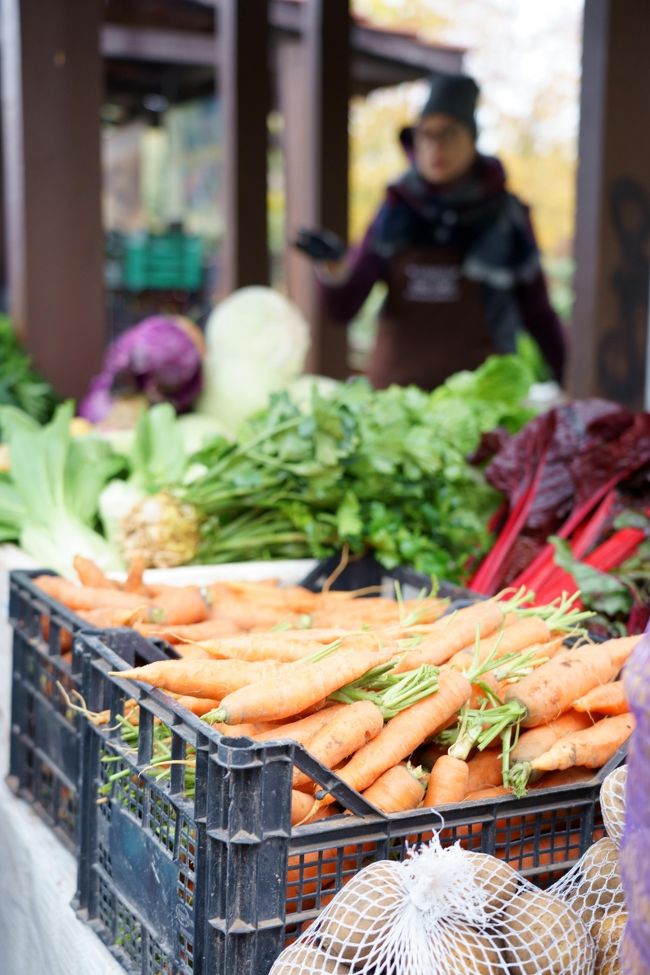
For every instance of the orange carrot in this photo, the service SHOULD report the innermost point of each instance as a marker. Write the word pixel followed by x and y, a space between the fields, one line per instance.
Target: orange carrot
pixel 200 678
pixel 490 792
pixel 187 651
pixel 133 582
pixel 592 747
pixel 486 616
pixel 297 687
pixel 604 699
pixel 538 740
pixel 197 705
pixel 518 636
pixel 301 731
pixel 248 730
pixel 567 776
pixel 301 806
pixel 396 790
pixel 88 597
pixel 191 632
pixel 260 646
pixel 344 734
pixel 107 617
pixel 90 574
pixel 179 605
pixel 485 770
pixel 403 733
pixel 448 782
pixel 552 688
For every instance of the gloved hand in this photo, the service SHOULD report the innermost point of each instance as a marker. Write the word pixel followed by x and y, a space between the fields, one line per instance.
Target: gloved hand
pixel 320 245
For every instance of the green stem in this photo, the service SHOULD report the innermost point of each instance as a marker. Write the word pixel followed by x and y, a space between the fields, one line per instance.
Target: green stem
pixel 518 778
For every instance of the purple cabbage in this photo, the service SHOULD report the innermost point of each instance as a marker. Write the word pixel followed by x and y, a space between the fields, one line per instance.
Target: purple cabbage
pixel 160 359
pixel 635 849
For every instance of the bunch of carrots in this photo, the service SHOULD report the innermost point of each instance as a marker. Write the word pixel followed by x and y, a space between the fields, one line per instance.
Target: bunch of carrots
pixel 403 702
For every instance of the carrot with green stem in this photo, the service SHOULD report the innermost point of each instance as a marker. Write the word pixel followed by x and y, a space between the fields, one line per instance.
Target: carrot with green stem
pixel 402 735
pixel 201 678
pixel 590 748
pixel 551 689
pixel 297 687
pixel 344 734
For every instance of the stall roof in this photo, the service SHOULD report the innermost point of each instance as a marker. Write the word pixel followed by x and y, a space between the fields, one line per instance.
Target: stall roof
pixel 169 46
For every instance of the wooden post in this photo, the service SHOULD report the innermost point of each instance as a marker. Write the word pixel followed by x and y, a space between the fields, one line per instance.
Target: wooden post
pixel 244 85
pixel 610 319
pixel 314 95
pixel 51 100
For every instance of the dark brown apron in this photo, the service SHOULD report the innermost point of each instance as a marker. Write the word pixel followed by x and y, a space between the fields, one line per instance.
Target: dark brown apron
pixel 432 324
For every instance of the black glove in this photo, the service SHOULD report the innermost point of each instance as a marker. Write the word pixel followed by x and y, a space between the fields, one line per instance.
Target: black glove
pixel 320 245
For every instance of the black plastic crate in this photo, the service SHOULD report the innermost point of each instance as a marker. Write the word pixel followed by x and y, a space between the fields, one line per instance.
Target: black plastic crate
pixel 45 750
pixel 216 881
pixel 366 572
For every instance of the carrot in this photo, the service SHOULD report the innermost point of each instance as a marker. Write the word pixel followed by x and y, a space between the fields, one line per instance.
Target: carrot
pixel 567 776
pixel 88 597
pixel 187 651
pixel 107 617
pixel 344 734
pixel 260 646
pixel 592 747
pixel 179 605
pixel 538 740
pixel 604 699
pixel 197 705
pixel 484 770
pixel 133 582
pixel 448 782
pixel 552 688
pixel 300 731
pixel 396 790
pixel 248 730
pixel 490 792
pixel 460 632
pixel 403 733
pixel 91 575
pixel 526 632
pixel 301 806
pixel 200 678
pixel 297 687
pixel 191 632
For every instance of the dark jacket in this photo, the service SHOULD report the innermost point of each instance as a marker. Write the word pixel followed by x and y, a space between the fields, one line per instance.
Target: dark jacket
pixel 463 273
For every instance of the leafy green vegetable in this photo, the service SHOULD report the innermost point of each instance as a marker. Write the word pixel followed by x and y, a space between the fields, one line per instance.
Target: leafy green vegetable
pixel 600 591
pixel 51 494
pixel 385 470
pixel 20 384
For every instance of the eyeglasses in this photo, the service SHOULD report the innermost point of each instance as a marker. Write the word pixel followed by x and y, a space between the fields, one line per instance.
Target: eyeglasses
pixel 444 137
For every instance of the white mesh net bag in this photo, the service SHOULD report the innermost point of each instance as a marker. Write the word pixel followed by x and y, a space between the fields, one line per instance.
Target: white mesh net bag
pixel 593 889
pixel 441 912
pixel 612 803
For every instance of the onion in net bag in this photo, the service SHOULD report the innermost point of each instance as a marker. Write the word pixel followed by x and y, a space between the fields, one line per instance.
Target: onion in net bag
pixel 441 912
pixel 612 803
pixel 635 848
pixel 593 889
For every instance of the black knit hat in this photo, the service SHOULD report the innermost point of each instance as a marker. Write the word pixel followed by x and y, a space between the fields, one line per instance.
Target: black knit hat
pixel 450 94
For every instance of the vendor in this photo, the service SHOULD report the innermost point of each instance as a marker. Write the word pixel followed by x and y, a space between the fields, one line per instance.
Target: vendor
pixel 456 250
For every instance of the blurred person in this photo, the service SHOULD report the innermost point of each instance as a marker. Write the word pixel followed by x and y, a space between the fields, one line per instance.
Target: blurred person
pixel 456 250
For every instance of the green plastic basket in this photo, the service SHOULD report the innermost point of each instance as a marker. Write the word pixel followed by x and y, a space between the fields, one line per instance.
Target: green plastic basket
pixel 171 261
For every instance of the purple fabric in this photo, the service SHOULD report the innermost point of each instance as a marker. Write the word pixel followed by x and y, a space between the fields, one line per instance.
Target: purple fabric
pixel 157 359
pixel 635 849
